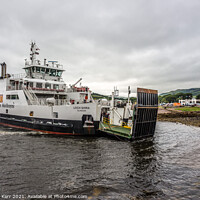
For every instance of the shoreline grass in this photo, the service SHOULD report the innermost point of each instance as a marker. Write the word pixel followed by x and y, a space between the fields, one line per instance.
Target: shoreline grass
pixel 188 109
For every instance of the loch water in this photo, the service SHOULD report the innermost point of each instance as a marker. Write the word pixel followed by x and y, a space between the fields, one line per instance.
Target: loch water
pixel 166 166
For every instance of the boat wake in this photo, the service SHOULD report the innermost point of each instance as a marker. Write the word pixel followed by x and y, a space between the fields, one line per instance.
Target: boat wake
pixel 14 131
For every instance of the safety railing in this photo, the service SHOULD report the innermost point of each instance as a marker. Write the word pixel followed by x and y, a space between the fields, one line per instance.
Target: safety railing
pixel 106 120
pixel 17 76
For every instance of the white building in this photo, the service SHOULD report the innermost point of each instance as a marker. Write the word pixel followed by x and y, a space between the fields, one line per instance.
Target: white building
pixel 189 101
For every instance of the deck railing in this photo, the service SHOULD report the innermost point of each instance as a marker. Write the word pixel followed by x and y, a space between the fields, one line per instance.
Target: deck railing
pixel 15 76
pixel 43 101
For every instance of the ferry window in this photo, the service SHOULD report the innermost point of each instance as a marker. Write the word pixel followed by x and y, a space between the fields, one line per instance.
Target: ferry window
pixel 43 70
pixel 31 113
pixel 12 83
pixel 48 85
pixel 31 84
pixel 59 73
pixel 38 85
pixel 6 110
pixel 38 69
pixel 20 85
pixel 14 96
pixel 53 72
pixel 33 69
pixel 47 71
pixel 7 96
pixel 55 87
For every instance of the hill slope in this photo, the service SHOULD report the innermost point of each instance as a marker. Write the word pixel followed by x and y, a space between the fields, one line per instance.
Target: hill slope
pixel 194 91
pixel 101 96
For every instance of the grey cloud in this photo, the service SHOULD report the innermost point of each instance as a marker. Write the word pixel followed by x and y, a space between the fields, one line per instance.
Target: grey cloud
pixel 151 44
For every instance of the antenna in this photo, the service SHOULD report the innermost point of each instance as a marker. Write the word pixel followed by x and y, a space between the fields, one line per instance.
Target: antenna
pixel 34 52
pixel 116 92
pixel 129 92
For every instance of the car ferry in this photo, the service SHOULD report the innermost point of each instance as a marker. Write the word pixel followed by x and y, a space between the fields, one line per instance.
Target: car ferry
pixel 40 100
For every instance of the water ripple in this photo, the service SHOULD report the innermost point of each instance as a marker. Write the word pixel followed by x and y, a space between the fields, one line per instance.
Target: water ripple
pixel 164 167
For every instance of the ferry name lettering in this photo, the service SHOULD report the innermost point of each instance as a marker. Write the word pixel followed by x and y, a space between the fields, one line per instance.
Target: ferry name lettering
pixel 6 106
pixel 81 107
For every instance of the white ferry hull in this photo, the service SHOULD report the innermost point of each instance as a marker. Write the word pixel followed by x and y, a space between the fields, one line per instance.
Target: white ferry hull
pixel 70 119
pixel 40 100
pixel 58 127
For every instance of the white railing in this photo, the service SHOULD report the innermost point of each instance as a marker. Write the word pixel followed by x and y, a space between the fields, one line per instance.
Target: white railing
pixel 32 98
pixel 16 76
pixel 10 88
pixel 43 101
pixel 57 102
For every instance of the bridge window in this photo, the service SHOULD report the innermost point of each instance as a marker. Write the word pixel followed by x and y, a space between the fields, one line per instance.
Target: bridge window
pixel 52 72
pixel 27 71
pixel 59 73
pixel 33 69
pixel 38 69
pixel 48 85
pixel 47 71
pixel 55 87
pixel 43 70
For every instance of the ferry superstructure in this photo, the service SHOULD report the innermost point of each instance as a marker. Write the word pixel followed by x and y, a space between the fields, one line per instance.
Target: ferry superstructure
pixel 40 100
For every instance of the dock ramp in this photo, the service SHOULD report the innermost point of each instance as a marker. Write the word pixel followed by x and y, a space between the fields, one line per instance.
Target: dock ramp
pixel 145 113
pixel 143 120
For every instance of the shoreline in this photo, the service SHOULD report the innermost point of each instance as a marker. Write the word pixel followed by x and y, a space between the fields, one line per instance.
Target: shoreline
pixel 190 118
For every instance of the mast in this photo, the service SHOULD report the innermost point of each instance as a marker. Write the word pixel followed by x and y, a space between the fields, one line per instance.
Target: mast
pixel 129 92
pixel 34 52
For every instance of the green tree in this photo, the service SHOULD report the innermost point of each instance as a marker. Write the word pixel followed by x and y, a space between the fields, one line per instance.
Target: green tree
pixel 180 95
pixel 198 96
pixel 188 95
pixel 133 99
pixel 171 98
pixel 164 100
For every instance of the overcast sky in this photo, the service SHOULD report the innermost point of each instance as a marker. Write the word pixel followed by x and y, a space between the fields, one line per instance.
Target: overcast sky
pixel 142 43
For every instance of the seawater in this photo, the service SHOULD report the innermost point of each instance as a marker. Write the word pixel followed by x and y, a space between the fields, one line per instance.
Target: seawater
pixel 166 166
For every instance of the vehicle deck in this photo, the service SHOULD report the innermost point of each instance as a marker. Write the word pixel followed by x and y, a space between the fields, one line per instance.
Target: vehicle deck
pixel 115 130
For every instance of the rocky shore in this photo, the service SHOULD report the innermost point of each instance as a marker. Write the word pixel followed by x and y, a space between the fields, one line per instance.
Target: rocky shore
pixel 171 115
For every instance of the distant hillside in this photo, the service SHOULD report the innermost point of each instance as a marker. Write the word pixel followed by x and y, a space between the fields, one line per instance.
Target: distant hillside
pixel 194 91
pixel 101 96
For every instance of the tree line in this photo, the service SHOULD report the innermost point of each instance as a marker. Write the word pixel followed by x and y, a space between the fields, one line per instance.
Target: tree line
pixel 171 98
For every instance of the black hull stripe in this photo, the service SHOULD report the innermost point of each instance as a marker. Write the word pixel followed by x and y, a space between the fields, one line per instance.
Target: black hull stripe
pixel 70 128
pixel 43 131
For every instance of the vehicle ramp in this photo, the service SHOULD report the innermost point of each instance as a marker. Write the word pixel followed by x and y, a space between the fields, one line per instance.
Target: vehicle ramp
pixel 145 113
pixel 143 120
